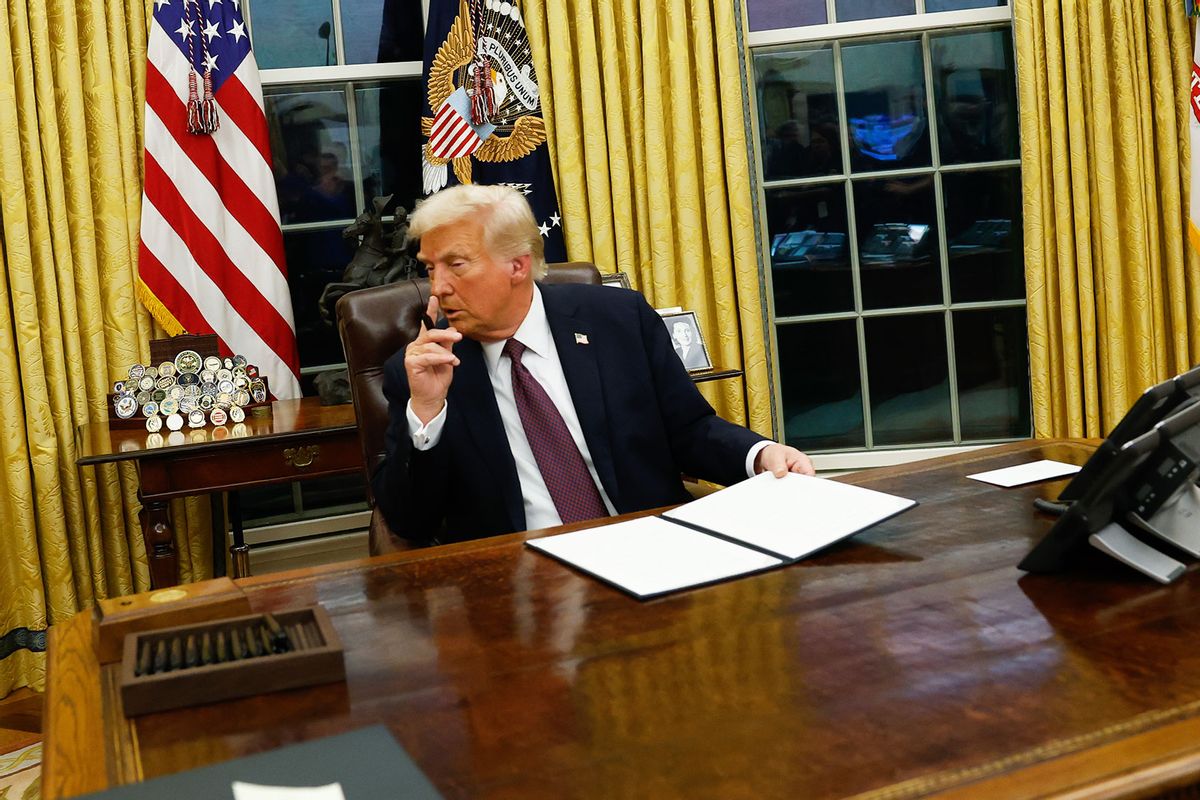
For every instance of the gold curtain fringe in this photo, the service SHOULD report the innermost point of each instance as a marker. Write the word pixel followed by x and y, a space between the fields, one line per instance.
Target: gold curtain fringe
pixel 157 310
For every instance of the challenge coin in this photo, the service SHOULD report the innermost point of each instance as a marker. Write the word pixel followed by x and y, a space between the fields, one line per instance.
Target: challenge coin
pixel 126 406
pixel 154 423
pixel 212 364
pixel 136 372
pixel 175 422
pixel 188 361
pixel 196 419
pixel 218 416
pixel 236 414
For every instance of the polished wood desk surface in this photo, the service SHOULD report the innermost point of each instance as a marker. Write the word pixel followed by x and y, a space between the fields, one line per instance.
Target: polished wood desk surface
pixel 910 660
pixel 293 440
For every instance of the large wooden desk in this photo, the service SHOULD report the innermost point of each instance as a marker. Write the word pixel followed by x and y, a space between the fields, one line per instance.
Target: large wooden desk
pixel 298 439
pixel 911 660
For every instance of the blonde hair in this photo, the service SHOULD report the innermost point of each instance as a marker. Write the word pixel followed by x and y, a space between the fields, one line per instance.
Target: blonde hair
pixel 509 229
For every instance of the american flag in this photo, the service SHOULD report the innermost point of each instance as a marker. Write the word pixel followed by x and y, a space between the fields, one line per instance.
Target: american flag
pixel 211 257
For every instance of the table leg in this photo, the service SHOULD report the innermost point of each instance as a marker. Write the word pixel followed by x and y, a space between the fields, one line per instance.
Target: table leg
pixel 239 550
pixel 159 538
pixel 218 534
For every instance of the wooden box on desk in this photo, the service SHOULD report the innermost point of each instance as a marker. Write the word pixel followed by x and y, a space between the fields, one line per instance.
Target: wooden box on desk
pixel 118 617
pixel 322 661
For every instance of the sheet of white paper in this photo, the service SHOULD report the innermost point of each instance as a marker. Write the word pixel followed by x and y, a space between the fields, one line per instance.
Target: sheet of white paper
pixel 648 556
pixel 670 310
pixel 254 791
pixel 794 515
pixel 1032 472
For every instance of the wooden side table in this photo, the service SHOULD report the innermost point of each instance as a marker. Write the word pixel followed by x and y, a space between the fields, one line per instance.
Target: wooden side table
pixel 297 439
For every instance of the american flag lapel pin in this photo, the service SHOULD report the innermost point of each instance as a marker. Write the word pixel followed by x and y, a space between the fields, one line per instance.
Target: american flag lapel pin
pixel 581 338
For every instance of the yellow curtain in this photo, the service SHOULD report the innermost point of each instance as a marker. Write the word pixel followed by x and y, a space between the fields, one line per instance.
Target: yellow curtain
pixel 643 105
pixel 1113 289
pixel 71 103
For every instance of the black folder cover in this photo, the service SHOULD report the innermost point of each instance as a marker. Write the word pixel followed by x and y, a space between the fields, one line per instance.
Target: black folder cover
pixel 368 763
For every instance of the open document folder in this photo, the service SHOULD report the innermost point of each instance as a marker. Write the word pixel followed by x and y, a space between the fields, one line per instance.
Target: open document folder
pixel 754 525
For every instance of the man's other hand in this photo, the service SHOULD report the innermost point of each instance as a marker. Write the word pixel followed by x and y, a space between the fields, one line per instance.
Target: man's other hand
pixel 780 459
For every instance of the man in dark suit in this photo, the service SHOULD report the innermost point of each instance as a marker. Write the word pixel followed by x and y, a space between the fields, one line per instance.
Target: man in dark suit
pixel 538 404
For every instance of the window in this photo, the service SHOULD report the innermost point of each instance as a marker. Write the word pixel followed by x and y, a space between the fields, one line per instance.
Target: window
pixel 343 94
pixel 886 136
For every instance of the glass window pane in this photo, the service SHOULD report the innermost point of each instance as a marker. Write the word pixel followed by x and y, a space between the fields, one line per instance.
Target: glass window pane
pixel 766 15
pixel 983 234
pixel 992 362
pixel 377 31
pixel 311 137
pixel 975 96
pixel 909 379
pixel 897 242
pixel 887 118
pixel 797 103
pixel 955 5
pixel 314 260
pixel 822 395
pixel 810 250
pixel 292 33
pixel 873 9
pixel 389 138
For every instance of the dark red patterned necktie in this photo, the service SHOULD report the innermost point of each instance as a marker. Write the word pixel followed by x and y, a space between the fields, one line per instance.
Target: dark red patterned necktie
pixel 563 469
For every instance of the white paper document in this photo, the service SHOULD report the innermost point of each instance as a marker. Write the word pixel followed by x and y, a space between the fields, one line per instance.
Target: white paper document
pixel 1032 472
pixel 649 556
pixel 754 525
pixel 793 516
pixel 254 791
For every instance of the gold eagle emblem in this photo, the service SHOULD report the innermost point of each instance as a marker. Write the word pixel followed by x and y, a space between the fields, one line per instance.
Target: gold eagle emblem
pixel 519 129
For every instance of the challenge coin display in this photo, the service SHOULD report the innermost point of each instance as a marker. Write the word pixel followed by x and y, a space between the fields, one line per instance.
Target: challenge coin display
pixel 188 391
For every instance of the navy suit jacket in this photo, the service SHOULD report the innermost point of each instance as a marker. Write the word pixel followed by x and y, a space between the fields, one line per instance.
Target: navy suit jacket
pixel 642 416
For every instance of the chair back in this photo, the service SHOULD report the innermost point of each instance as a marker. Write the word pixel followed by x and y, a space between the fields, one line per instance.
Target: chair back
pixel 375 323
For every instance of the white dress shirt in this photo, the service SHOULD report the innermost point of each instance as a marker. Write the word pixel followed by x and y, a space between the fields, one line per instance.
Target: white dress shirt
pixel 541 359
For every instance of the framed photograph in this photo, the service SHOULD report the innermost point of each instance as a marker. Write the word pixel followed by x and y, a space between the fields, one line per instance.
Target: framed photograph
pixel 616 279
pixel 687 341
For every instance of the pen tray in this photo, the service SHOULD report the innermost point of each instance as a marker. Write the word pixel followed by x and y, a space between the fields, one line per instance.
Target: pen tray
pixel 316 657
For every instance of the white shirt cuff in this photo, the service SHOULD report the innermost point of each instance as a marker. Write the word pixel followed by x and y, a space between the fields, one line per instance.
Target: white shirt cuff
pixel 753 454
pixel 425 436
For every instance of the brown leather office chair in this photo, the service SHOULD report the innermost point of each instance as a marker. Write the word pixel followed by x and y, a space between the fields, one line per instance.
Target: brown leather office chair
pixel 376 323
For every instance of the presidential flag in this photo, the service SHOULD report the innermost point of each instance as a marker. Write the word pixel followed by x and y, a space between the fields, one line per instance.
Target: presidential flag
pixel 211 257
pixel 482 121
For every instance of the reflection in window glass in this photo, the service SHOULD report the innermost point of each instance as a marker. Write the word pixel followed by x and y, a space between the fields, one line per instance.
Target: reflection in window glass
pixel 810 250
pixel 311 137
pixel 886 115
pixel 389 138
pixel 992 362
pixel 822 395
pixel 378 31
pixel 316 259
pixel 955 5
pixel 873 9
pixel 293 33
pixel 975 96
pixel 771 14
pixel 897 242
pixel 983 235
pixel 909 379
pixel 799 119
